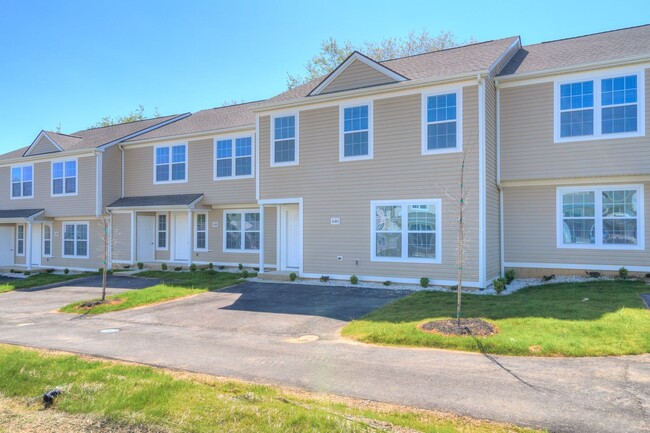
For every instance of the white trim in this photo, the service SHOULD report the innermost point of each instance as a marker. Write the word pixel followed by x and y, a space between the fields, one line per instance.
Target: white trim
pixel 233 158
pixel 436 202
pixel 515 44
pixel 38 137
pixel 169 164
pixel 482 190
pixel 282 201
pixel 342 107
pixel 242 230
pixel 378 279
pixel 343 66
pixel 43 225
pixel 28 245
pixel 296 139
pixel 99 170
pixel 75 224
pixel 598 229
pixel 166 215
pixel 83 153
pixel 22 171
pixel 262 244
pixel 596 78
pixel 195 231
pixel 76 178
pixel 257 156
pixel 499 185
pixel 587 267
pixel 574 181
pixel 16 239
pixel 459 120
pixel 133 229
pixel 122 169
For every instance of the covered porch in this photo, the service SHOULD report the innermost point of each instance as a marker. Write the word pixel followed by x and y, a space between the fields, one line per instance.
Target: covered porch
pixel 25 238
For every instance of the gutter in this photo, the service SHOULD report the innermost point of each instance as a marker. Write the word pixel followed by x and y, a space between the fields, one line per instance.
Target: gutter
pixel 499 186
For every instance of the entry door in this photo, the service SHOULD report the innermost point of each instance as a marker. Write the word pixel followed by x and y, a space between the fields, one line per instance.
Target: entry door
pixel 181 236
pixel 290 238
pixel 145 235
pixel 37 242
pixel 6 246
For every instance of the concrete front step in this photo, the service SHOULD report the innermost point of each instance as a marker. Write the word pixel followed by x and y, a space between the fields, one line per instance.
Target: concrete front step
pixel 275 276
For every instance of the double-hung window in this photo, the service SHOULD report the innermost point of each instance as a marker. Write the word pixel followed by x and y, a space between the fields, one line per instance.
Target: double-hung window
pixel 355 132
pixel 20 240
pixel 600 217
pixel 284 140
pixel 22 181
pixel 201 231
pixel 64 177
pixel 406 231
pixel 442 122
pixel 241 231
pixel 233 158
pixel 161 238
pixel 604 107
pixel 75 240
pixel 47 240
pixel 170 163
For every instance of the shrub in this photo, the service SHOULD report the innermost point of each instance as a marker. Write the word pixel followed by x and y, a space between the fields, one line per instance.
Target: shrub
pixel 453 288
pixel 211 272
pixel 424 282
pixel 293 276
pixel 27 273
pixel 13 271
pixel 647 275
pixel 163 266
pixel 244 273
pixel 193 267
pixel 140 265
pixel 387 283
pixel 109 272
pixel 510 276
pixel 499 285
pixel 240 266
pixel 178 268
pixel 324 278
pixel 623 274
pixel 354 279
pixel 100 270
pixel 66 271
pixel 210 266
pixel 49 271
pixel 593 274
pixel 221 268
pixel 548 277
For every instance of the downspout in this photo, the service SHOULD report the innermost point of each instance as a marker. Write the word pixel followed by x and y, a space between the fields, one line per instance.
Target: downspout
pixel 482 179
pixel 122 167
pixel 498 129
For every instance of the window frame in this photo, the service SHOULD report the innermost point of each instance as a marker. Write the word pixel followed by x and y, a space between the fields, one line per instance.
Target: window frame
pixel 195 231
pixel 76 177
pixel 43 239
pixel 242 231
pixel 169 164
pixel 22 181
pixel 19 239
pixel 597 78
pixel 234 157
pixel 370 130
pixel 459 120
pixel 158 231
pixel 598 218
pixel 296 161
pixel 436 202
pixel 75 223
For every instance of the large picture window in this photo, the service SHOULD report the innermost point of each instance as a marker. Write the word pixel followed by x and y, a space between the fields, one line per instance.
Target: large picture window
pixel 64 177
pixel 241 231
pixel 233 158
pixel 22 181
pixel 75 240
pixel 600 217
pixel 170 163
pixel 406 231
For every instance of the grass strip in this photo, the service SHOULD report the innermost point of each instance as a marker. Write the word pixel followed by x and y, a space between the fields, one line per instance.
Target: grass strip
pixel 39 279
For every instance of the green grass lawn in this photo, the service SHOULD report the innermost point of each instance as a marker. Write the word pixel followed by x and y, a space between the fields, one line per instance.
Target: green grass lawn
pixel 39 279
pixel 578 319
pixel 138 395
pixel 173 285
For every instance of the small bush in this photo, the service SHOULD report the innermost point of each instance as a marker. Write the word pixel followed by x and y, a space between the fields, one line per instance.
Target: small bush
pixel 593 274
pixel 324 278
pixel 240 266
pixel 66 271
pixel 193 267
pixel 548 277
pixel 424 282
pixel 27 273
pixel 499 285
pixel 387 283
pixel 210 266
pixel 178 268
pixel 453 288
pixel 293 276
pixel 244 273
pixel 109 272
pixel 647 275
pixel 100 270
pixel 256 269
pixel 354 279
pixel 49 271
pixel 623 274
pixel 221 268
pixel 140 265
pixel 211 272
pixel 510 276
pixel 163 266
pixel 126 267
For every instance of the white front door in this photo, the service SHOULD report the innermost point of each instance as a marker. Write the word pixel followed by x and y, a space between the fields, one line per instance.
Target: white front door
pixel 181 237
pixel 37 242
pixel 6 246
pixel 290 251
pixel 145 236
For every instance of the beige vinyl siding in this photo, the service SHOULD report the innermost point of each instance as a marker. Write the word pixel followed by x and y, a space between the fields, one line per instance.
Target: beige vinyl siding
pixel 530 217
pixel 139 175
pixel 528 150
pixel 95 247
pixel 399 171
pixel 44 145
pixel 492 209
pixel 82 204
pixel 19 260
pixel 357 75
pixel 122 236
pixel 111 175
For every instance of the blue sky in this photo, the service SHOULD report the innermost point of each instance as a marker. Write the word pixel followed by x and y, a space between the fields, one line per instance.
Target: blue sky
pixel 72 63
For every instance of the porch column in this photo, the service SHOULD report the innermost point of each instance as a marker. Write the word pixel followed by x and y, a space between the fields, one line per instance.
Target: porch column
pixel 28 246
pixel 261 271
pixel 191 235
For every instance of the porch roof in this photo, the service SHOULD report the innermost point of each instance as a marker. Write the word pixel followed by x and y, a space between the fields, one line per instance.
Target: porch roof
pixel 174 201
pixel 19 215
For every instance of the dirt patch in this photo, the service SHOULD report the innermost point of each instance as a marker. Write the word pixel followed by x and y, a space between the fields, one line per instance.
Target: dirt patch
pixel 90 304
pixel 468 327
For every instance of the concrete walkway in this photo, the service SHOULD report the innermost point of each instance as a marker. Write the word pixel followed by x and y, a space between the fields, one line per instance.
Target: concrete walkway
pixel 251 331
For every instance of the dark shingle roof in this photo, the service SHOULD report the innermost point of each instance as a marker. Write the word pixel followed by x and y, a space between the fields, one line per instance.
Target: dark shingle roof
pixel 231 116
pixel 611 45
pixel 19 213
pixel 156 200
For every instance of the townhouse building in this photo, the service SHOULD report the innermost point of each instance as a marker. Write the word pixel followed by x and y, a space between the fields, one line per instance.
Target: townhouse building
pixel 358 172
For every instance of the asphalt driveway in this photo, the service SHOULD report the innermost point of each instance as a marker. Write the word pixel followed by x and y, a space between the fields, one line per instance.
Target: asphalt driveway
pixel 252 331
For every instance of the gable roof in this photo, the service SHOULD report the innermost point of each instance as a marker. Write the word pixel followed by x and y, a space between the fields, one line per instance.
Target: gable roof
pixel 94 138
pixel 582 50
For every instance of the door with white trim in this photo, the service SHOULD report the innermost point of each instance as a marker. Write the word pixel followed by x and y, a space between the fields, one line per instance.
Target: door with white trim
pixel 6 245
pixel 37 242
pixel 290 251
pixel 145 235
pixel 181 237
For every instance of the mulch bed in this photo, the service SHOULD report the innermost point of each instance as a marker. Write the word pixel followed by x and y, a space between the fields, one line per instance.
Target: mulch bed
pixel 468 327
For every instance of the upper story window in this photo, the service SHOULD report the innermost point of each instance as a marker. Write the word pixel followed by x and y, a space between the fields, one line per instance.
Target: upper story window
pixel 233 158
pixel 64 177
pixel 601 217
pixel 284 140
pixel 355 133
pixel 599 108
pixel 442 123
pixel 170 163
pixel 22 181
